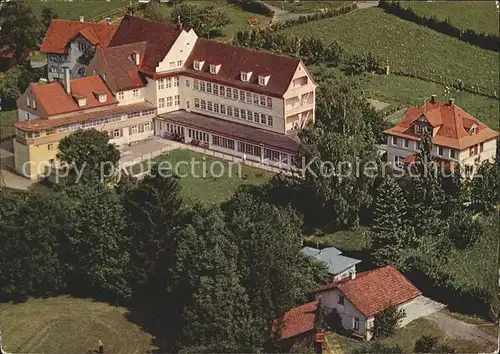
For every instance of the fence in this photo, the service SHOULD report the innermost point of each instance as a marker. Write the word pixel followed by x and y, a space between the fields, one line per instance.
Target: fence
pixel 127 165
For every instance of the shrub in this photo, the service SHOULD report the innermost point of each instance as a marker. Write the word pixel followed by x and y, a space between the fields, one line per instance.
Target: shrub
pixel 387 321
pixel 333 321
pixel 430 344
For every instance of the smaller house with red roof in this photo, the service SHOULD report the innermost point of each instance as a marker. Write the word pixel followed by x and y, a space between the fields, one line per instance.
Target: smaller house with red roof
pixel 457 136
pixel 296 325
pixel 66 41
pixel 360 298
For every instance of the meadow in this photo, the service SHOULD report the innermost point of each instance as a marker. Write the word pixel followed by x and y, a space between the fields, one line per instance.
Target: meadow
pixel 480 16
pixel 7 118
pixel 69 325
pixel 72 10
pixel 306 6
pixel 409 48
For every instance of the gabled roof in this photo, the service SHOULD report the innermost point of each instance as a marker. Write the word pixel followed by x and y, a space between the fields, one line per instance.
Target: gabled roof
pixel 373 291
pixel 61 32
pixel 160 37
pixel 452 123
pixel 54 99
pixel 331 256
pixel 121 71
pixel 296 321
pixel 235 59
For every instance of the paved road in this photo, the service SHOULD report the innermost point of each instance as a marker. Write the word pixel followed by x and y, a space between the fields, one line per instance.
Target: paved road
pixel 366 4
pixel 460 329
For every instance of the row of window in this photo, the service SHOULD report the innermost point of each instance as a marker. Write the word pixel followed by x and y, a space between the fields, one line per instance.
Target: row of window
pixel 198 135
pixel 59 58
pixel 440 149
pixel 171 101
pixel 232 93
pixel 235 112
pixel 121 95
pixel 172 128
pixel 167 83
pixel 172 63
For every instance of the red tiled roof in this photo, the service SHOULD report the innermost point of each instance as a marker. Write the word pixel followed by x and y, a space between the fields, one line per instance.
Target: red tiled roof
pixel 452 123
pixel 234 60
pixel 61 32
pixel 233 130
pixel 159 36
pixel 121 71
pixel 373 291
pixel 54 99
pixel 6 53
pixel 44 124
pixel 296 321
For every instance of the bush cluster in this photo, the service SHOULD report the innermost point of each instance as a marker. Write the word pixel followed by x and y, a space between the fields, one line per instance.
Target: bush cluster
pixel 483 40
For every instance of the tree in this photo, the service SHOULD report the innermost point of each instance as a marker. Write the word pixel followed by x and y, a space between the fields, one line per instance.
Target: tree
pixel 14 82
pixel 30 264
pixel 203 19
pixel 92 241
pixel 89 151
pixel 389 225
pixel 47 16
pixel 485 187
pixel 336 153
pixel 213 305
pixel 463 230
pixel 386 322
pixel 20 29
pixel 154 211
pixel 270 267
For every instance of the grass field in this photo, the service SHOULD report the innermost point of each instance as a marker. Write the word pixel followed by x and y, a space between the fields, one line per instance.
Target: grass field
pixel 408 46
pixel 345 240
pixel 406 337
pixel 72 10
pixel 480 16
pixel 304 6
pixel 210 190
pixel 7 118
pixel 405 91
pixel 64 325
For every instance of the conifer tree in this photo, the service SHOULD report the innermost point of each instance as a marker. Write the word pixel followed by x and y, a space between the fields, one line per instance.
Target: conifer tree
pixel 389 222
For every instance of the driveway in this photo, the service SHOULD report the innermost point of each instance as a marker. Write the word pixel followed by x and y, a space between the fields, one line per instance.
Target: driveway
pixel 283 15
pixel 462 330
pixel 420 307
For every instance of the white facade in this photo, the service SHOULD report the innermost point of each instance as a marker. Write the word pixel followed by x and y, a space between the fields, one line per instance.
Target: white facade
pixel 347 273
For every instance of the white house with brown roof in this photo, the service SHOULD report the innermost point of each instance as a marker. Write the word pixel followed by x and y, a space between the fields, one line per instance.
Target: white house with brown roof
pixel 458 137
pixel 360 298
pixel 66 41
pixel 162 78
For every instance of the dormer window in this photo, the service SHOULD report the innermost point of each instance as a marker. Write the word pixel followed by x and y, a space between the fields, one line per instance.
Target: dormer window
pixel 33 103
pixel 263 80
pixel 28 102
pixel 198 65
pixel 214 68
pixel 82 102
pixel 417 129
pixel 102 98
pixel 245 76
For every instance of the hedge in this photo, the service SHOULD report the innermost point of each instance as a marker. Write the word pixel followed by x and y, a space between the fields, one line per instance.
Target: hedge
pixel 483 40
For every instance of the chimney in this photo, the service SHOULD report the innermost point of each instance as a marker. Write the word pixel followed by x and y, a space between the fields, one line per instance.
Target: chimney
pixel 353 275
pixel 451 102
pixel 433 99
pixel 67 80
pixel 108 20
pixel 82 19
pixel 179 23
pixel 137 58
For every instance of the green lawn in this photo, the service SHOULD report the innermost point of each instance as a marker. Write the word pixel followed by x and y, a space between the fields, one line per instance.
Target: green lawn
pixel 74 9
pixel 405 338
pixel 480 16
pixel 64 324
pixel 408 46
pixel 346 240
pixel 7 118
pixel 304 6
pixel 199 185
pixel 404 91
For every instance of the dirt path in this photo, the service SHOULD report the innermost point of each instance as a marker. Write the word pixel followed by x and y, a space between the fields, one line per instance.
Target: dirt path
pixel 460 329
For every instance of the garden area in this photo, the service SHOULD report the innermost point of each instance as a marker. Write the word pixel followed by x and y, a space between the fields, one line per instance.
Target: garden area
pixel 410 48
pixel 65 324
pixel 210 190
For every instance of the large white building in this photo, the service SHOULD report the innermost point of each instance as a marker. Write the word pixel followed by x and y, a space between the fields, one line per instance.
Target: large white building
pixel 231 99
